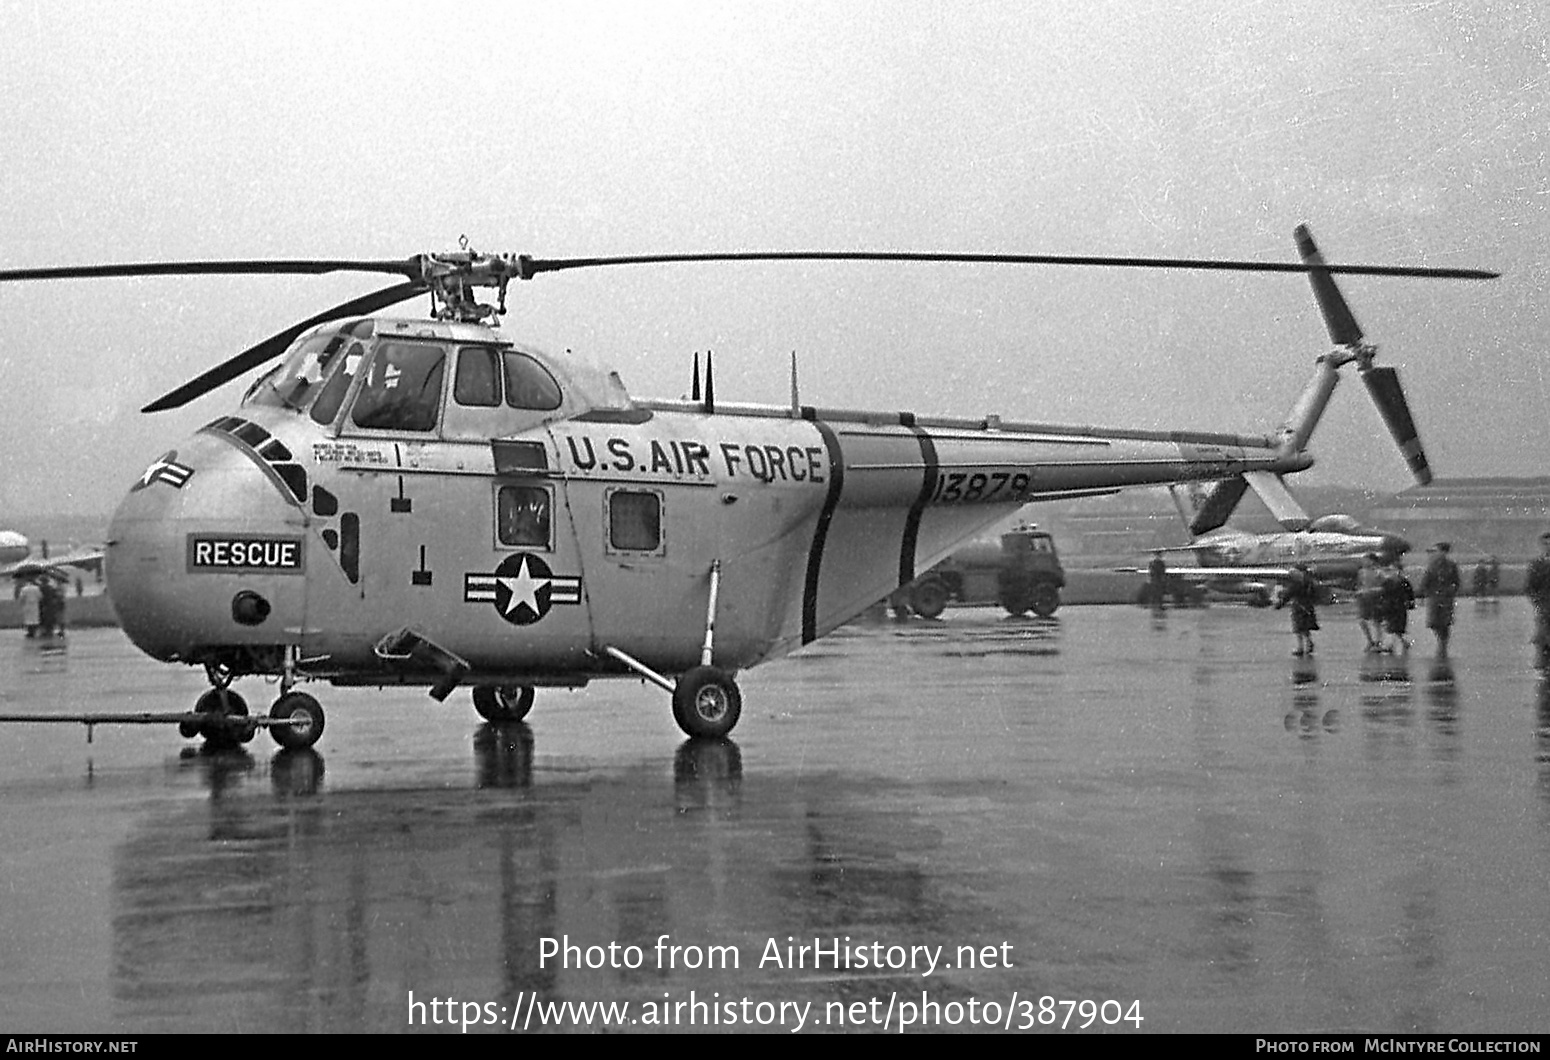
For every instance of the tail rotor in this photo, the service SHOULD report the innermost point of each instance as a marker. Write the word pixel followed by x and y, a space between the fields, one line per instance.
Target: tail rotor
pixel 1382 382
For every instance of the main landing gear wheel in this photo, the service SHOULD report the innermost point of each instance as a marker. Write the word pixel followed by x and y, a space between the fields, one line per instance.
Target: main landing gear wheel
pixel 221 727
pixel 707 703
pixel 503 703
pixel 306 720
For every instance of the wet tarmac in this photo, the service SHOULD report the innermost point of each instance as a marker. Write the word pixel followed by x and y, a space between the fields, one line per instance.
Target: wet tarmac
pixel 1163 816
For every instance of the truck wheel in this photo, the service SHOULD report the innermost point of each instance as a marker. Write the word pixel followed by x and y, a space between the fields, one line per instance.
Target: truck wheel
pixel 1044 599
pixel 929 598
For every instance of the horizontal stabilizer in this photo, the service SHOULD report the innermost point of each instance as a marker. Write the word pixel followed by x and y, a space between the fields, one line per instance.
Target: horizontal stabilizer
pixel 1283 506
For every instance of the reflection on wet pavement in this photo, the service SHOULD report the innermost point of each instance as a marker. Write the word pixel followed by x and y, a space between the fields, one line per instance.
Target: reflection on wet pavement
pixel 1111 805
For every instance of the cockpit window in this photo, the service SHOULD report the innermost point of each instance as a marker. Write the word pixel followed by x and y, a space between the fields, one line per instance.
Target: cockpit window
pixel 326 407
pixel 302 374
pixel 478 381
pixel 529 384
pixel 402 391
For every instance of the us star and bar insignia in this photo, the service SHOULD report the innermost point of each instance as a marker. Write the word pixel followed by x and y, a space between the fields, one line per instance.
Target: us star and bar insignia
pixel 523 589
pixel 165 469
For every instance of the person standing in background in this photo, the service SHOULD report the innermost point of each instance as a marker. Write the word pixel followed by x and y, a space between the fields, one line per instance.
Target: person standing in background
pixel 31 598
pixel 1439 588
pixel 1301 594
pixel 1369 587
pixel 1537 588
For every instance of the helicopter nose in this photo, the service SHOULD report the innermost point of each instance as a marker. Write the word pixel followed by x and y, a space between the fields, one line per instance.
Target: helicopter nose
pixel 206 556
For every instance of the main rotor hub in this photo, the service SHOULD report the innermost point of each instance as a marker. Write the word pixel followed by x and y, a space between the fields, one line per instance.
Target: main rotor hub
pixel 453 277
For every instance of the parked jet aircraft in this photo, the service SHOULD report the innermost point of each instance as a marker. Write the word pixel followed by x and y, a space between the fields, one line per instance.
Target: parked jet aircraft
pixel 427 502
pixel 1241 563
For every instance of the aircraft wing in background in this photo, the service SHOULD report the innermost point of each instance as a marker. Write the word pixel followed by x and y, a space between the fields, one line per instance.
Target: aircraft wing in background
pixel 1202 574
pixel 83 559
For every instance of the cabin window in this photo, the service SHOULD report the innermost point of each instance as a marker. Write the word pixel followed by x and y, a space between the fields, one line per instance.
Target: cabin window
pixel 478 381
pixel 402 391
pixel 635 521
pixel 529 384
pixel 522 516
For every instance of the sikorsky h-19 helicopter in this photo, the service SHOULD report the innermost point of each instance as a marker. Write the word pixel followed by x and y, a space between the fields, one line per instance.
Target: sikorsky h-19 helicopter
pixel 427 502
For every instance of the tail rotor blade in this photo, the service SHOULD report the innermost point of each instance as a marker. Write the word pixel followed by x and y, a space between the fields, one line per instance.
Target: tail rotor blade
pixel 1343 329
pixel 1218 505
pixel 1383 385
pixel 276 344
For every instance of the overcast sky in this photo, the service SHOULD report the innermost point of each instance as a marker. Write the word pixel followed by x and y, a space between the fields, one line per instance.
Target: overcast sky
pixel 1407 133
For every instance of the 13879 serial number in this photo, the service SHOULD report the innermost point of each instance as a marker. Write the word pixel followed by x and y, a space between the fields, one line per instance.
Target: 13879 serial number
pixel 975 487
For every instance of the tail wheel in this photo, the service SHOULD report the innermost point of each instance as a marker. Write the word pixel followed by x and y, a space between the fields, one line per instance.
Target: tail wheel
pixel 220 728
pixel 707 703
pixel 503 703
pixel 305 715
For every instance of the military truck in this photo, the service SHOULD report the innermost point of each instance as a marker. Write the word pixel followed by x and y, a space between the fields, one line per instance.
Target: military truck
pixel 1020 571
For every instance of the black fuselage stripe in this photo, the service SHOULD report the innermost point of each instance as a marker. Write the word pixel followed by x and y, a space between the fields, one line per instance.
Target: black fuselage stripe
pixel 912 522
pixel 831 501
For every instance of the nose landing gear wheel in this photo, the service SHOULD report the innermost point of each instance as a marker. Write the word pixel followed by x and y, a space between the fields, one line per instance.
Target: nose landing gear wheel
pixel 707 703
pixel 223 726
pixel 496 703
pixel 306 720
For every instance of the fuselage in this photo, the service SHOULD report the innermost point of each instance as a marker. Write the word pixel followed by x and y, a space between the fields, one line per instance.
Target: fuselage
pixel 522 513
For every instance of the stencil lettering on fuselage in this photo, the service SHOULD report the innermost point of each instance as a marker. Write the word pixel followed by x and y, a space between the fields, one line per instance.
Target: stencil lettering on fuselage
pixel 656 459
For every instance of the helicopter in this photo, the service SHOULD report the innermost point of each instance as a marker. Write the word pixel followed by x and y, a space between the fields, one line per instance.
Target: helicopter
pixel 427 502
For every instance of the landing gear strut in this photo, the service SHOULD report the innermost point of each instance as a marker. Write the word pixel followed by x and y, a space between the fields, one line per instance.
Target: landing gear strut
pixel 706 701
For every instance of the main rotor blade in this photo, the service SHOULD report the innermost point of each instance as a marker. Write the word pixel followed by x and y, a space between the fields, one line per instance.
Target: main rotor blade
pixel 532 266
pixel 1383 385
pixel 276 344
pixel 1341 324
pixel 298 267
